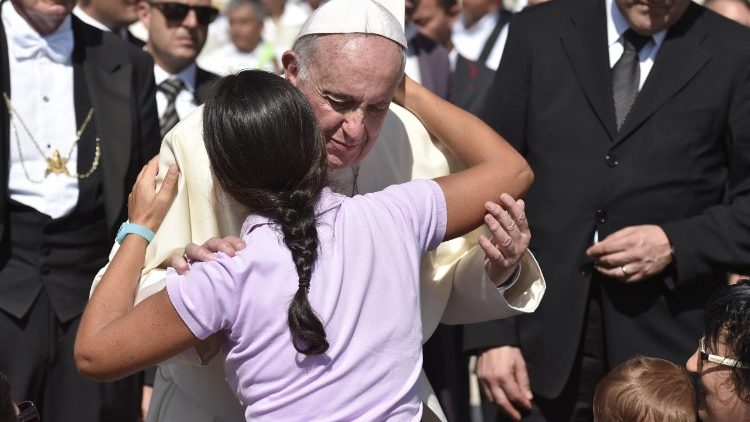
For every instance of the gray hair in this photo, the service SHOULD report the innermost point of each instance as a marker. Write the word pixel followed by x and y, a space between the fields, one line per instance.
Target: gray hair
pixel 259 12
pixel 306 47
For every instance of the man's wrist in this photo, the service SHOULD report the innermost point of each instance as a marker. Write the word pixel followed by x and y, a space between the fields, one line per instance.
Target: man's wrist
pixel 510 280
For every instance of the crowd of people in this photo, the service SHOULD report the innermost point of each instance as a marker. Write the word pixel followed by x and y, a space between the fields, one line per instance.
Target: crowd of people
pixel 343 210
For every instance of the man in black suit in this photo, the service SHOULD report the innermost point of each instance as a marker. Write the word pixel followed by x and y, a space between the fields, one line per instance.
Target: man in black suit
pixel 177 32
pixel 78 120
pixel 634 118
pixel 110 16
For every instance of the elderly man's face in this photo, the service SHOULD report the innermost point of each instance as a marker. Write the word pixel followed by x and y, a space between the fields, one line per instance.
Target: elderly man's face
pixel 718 400
pixel 244 28
pixel 350 84
pixel 648 17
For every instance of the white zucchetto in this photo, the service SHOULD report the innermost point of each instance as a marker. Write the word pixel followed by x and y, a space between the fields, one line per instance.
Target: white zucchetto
pixel 358 16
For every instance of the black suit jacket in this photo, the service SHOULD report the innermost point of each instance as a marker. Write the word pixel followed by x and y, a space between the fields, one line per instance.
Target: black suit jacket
pixel 119 84
pixel 681 161
pixel 204 80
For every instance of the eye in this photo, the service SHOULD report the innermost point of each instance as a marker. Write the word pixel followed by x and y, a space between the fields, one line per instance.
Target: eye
pixel 337 104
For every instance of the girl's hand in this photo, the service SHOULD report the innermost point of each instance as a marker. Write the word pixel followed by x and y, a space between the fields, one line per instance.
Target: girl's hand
pixel 146 205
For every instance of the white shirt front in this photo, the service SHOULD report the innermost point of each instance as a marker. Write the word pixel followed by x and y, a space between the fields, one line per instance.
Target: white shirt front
pixel 470 41
pixel 41 89
pixel 88 19
pixel 616 27
pixel 229 59
pixel 185 102
pixel 283 32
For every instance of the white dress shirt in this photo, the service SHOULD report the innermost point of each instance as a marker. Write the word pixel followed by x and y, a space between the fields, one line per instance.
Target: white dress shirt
pixel 41 90
pixel 283 32
pixel 229 59
pixel 469 42
pixel 88 19
pixel 185 102
pixel 616 27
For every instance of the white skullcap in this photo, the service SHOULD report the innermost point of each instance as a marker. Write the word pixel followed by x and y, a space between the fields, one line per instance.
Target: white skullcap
pixel 379 17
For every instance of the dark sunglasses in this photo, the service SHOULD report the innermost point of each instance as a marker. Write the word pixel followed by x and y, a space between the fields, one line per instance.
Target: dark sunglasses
pixel 176 12
pixel 27 412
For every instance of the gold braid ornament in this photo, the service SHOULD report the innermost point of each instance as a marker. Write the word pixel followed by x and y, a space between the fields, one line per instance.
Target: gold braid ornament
pixel 57 164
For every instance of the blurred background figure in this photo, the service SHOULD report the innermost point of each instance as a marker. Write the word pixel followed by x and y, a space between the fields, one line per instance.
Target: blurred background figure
pixel 283 22
pixel 722 360
pixel 314 4
pixel 645 389
pixel 111 16
pixel 479 35
pixel 428 33
pixel 736 10
pixel 247 50
pixel 177 31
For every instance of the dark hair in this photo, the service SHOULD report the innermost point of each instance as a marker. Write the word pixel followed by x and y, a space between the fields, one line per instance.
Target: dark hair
pixel 7 411
pixel 647 390
pixel 267 152
pixel 727 319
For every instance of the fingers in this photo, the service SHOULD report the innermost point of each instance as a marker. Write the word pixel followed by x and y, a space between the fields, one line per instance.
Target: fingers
pixel 168 189
pixel 503 402
pixel 229 245
pixel 516 210
pixel 522 377
pixel 180 264
pixel 198 253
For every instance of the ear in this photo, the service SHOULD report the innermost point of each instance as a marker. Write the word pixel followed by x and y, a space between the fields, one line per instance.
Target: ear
pixel 143 10
pixel 291 69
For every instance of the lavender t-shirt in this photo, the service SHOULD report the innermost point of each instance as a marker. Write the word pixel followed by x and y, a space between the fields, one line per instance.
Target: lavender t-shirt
pixel 365 289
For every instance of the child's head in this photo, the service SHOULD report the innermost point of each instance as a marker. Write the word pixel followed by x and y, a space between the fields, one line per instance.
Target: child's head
pixel 267 152
pixel 645 389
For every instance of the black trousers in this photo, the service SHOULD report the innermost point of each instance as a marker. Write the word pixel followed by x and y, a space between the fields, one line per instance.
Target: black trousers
pixel 575 403
pixel 36 353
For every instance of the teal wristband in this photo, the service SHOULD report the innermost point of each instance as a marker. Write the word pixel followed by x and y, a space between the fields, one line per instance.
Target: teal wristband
pixel 129 228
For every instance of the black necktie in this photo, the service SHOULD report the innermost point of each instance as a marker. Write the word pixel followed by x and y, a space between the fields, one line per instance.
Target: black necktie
pixel 626 74
pixel 170 87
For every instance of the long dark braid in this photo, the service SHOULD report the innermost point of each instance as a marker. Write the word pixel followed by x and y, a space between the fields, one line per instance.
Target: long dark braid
pixel 267 152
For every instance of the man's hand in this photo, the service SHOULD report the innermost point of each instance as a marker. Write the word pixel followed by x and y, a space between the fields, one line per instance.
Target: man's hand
pixel 504 379
pixel 228 245
pixel 510 237
pixel 632 254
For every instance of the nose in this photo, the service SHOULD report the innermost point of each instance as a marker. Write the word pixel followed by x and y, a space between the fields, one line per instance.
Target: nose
pixel 191 19
pixel 354 126
pixel 692 363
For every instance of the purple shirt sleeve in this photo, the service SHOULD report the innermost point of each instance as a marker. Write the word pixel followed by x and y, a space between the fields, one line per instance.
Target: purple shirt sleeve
pixel 206 298
pixel 421 206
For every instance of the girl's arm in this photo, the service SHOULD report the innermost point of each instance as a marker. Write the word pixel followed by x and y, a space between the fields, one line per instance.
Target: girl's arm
pixel 114 338
pixel 492 165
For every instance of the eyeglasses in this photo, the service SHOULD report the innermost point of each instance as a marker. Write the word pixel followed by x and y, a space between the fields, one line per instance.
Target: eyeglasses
pixel 176 12
pixel 27 412
pixel 721 360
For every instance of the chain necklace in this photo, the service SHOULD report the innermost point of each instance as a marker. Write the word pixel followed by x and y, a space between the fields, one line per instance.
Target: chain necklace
pixel 57 164
pixel 355 187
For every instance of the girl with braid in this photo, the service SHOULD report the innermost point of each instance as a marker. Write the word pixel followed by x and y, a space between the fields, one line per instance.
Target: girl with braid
pixel 320 313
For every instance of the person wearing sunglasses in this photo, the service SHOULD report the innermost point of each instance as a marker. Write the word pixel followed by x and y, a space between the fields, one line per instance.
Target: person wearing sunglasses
pixel 177 32
pixel 722 359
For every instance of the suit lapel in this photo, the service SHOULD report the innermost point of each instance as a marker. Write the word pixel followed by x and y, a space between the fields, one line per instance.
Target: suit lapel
pixel 681 56
pixel 586 47
pixel 108 82
pixel 203 82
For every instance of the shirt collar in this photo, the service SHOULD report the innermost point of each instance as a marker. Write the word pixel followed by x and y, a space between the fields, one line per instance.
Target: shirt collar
pixel 186 75
pixel 86 18
pixel 617 25
pixel 25 42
